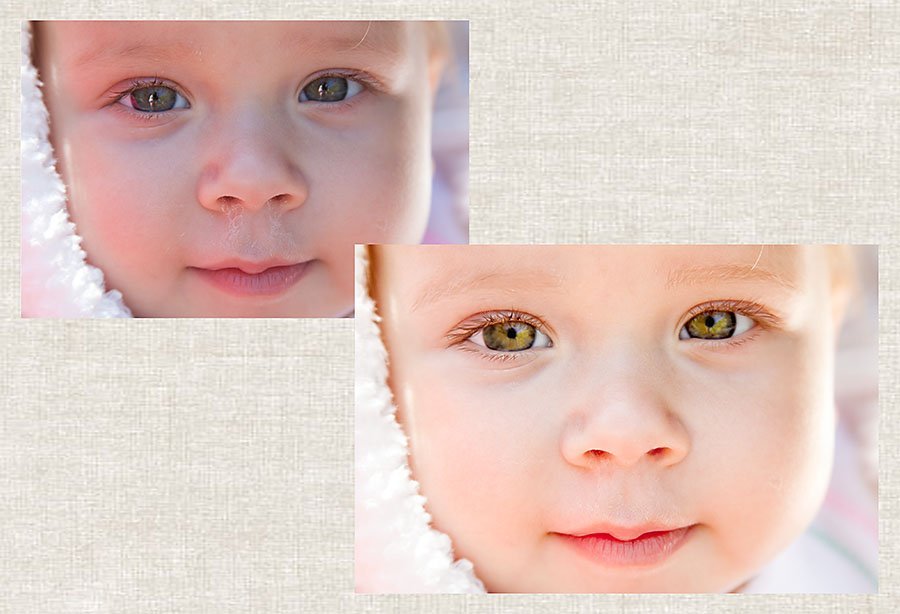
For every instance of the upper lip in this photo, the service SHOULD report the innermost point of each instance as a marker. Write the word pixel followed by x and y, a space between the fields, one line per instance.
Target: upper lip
pixel 251 268
pixel 626 533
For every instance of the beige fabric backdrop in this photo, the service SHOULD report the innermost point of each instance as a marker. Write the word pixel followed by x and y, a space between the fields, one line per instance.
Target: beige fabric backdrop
pixel 205 466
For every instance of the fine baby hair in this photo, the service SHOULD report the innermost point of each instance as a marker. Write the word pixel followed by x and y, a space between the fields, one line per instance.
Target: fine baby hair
pixel 226 169
pixel 608 419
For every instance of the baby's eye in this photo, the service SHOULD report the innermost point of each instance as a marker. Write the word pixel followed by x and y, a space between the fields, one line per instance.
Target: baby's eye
pixel 154 99
pixel 716 325
pixel 510 337
pixel 331 88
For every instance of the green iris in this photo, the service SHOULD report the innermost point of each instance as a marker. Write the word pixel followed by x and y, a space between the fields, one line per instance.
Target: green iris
pixel 327 89
pixel 154 99
pixel 508 336
pixel 712 325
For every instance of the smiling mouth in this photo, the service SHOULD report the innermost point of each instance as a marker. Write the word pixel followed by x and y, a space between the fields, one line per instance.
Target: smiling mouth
pixel 644 549
pixel 253 280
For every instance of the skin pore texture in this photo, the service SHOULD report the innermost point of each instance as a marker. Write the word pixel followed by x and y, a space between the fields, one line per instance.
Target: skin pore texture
pixel 227 168
pixel 631 446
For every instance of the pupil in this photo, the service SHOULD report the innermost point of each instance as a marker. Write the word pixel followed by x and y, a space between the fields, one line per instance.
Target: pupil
pixel 511 332
pixel 327 89
pixel 710 321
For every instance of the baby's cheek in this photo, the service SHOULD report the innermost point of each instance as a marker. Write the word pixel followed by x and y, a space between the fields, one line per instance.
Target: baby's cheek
pixel 127 213
pixel 774 443
pixel 449 441
pixel 383 175
pixel 123 207
pixel 798 405
pixel 472 458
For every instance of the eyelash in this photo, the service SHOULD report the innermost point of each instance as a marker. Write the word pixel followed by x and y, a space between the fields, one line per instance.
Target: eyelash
pixel 762 318
pixel 366 81
pixel 136 84
pixel 473 325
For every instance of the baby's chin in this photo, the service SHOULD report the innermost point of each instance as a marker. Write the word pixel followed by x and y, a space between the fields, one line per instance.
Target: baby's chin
pixel 572 583
pixel 230 307
pixel 204 310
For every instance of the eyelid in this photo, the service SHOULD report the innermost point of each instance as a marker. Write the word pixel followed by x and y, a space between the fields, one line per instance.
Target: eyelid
pixel 475 323
pixel 137 83
pixel 367 80
pixel 762 316
pixel 744 307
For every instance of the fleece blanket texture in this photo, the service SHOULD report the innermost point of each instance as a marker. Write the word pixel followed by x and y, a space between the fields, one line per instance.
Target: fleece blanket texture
pixel 397 551
pixel 57 281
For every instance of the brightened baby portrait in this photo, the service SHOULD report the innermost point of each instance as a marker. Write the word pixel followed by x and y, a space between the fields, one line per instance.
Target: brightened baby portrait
pixel 226 169
pixel 616 419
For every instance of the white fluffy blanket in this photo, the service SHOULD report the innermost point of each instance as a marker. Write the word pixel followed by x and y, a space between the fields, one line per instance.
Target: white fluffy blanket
pixel 397 550
pixel 56 279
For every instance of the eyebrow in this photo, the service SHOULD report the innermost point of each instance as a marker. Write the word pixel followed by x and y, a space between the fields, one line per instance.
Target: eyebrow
pixel 450 285
pixel 696 275
pixel 167 51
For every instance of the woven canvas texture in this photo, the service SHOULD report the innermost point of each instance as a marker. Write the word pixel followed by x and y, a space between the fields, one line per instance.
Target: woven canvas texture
pixel 205 466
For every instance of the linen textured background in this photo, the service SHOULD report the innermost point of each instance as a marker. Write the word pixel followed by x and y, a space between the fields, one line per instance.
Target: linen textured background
pixel 206 466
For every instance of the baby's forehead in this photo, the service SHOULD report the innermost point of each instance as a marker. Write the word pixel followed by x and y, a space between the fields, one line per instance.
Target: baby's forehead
pixel 573 266
pixel 594 259
pixel 105 40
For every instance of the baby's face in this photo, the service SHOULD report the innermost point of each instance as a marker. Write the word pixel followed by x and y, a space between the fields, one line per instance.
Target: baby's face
pixel 615 418
pixel 227 168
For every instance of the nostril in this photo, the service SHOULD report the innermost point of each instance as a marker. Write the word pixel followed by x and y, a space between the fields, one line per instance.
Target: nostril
pixel 603 455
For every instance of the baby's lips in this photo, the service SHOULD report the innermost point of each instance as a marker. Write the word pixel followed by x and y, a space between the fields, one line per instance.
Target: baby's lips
pixel 625 532
pixel 248 266
pixel 252 279
pixel 631 547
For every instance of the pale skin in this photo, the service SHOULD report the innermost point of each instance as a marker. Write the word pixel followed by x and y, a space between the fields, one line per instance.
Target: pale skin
pixel 235 163
pixel 615 415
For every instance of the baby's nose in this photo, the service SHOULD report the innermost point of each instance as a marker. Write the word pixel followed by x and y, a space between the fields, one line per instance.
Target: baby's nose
pixel 250 166
pixel 624 421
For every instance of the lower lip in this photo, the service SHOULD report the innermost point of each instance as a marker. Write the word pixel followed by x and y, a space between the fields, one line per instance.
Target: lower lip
pixel 271 282
pixel 647 550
